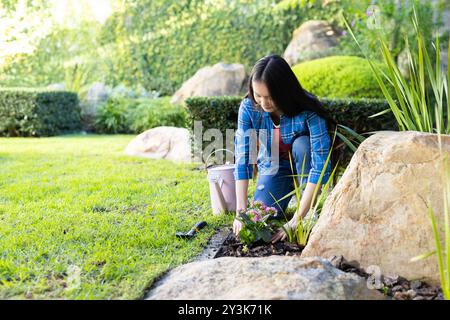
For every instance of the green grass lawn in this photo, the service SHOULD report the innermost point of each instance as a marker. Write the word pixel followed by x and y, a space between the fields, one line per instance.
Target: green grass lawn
pixel 79 219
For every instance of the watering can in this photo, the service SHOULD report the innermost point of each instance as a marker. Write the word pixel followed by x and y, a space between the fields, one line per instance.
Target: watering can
pixel 222 187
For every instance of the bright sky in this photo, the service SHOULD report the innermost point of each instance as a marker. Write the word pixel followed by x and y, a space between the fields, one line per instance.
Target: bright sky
pixel 18 30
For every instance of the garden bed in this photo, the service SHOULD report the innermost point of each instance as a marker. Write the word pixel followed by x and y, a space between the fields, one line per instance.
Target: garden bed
pixel 395 287
pixel 231 247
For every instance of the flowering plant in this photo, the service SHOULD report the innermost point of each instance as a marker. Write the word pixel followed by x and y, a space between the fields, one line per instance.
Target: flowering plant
pixel 256 224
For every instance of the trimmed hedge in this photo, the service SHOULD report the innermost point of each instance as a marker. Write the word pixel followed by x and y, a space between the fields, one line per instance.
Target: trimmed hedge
pixel 339 77
pixel 222 113
pixel 37 112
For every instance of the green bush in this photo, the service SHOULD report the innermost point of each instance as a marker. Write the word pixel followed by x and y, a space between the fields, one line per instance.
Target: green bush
pixel 124 115
pixel 152 113
pixel 38 112
pixel 112 116
pixel 338 77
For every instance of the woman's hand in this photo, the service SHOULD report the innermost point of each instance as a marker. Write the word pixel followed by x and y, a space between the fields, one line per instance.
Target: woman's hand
pixel 280 234
pixel 237 226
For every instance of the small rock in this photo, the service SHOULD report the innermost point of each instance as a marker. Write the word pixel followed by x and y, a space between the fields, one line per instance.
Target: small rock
pixel 390 280
pixel 419 298
pixel 415 284
pixel 411 294
pixel 426 292
pixel 397 288
pixel 399 295
pixel 405 286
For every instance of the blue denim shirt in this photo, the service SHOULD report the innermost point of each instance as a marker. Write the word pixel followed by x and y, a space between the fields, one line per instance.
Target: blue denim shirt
pixel 306 123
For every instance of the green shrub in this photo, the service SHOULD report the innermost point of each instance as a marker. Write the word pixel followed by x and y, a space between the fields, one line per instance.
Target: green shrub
pixel 152 113
pixel 338 77
pixel 111 116
pixel 124 115
pixel 38 112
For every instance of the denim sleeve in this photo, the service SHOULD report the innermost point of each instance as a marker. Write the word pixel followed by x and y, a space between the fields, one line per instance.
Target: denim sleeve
pixel 243 170
pixel 320 148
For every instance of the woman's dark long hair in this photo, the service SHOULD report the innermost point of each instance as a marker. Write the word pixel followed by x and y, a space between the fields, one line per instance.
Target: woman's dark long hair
pixel 287 93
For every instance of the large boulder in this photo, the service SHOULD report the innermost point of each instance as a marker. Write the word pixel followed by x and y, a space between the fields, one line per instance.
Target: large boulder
pixel 313 39
pixel 267 278
pixel 377 213
pixel 168 143
pixel 219 80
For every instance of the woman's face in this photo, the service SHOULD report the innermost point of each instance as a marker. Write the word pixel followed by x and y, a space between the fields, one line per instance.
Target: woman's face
pixel 262 96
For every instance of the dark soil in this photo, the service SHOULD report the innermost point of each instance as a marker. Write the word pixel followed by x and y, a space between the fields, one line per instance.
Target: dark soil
pixel 231 247
pixel 395 287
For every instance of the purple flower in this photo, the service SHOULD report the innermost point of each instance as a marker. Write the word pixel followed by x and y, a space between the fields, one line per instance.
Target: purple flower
pixel 251 213
pixel 268 210
pixel 257 217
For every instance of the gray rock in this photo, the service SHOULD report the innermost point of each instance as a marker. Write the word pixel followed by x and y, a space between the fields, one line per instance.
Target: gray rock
pixel 411 294
pixel 313 39
pixel 267 278
pixel 415 284
pixel 168 143
pixel 219 80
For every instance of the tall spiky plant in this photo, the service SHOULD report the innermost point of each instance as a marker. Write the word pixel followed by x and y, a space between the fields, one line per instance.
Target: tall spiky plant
pixel 411 103
pixel 413 111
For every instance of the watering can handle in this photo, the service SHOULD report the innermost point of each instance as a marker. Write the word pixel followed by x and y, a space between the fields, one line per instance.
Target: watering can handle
pixel 220 194
pixel 206 162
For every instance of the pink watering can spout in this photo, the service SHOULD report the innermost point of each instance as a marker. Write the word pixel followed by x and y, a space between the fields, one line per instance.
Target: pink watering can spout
pixel 221 186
